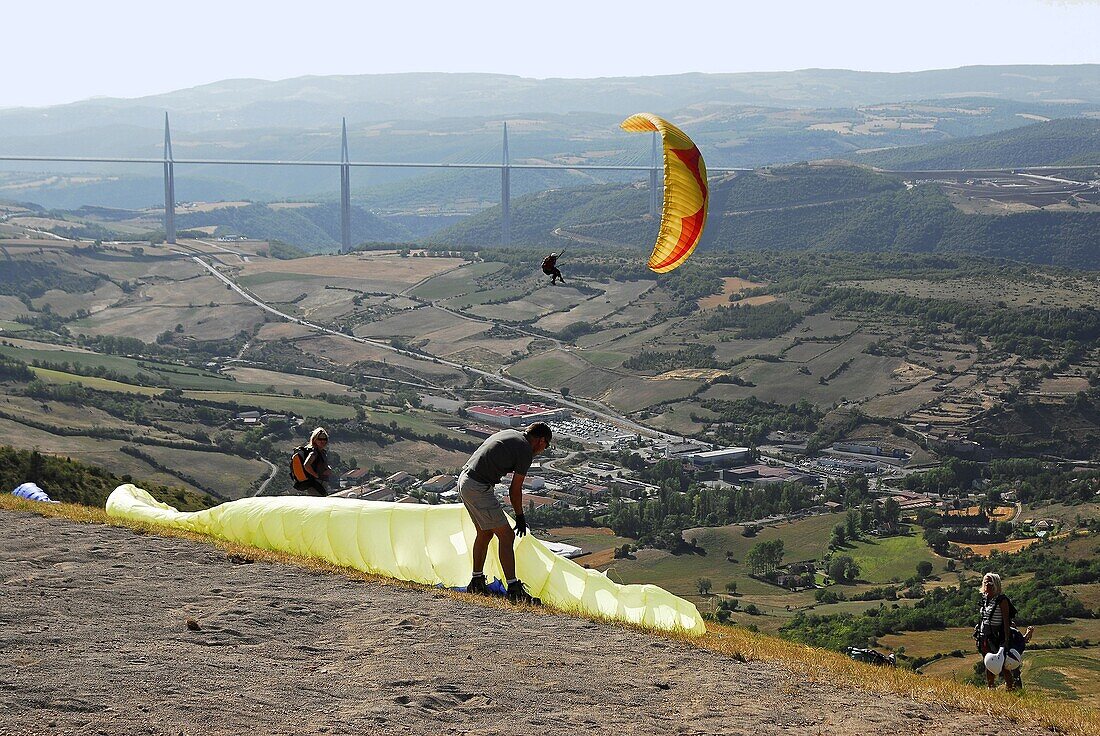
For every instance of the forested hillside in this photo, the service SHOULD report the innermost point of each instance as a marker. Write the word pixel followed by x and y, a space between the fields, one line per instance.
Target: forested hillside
pixel 1066 142
pixel 797 207
pixel 535 217
pixel 314 228
pixel 918 220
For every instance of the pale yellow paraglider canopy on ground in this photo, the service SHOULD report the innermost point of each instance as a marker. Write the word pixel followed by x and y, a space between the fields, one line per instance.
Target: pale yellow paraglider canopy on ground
pixel 686 195
pixel 423 544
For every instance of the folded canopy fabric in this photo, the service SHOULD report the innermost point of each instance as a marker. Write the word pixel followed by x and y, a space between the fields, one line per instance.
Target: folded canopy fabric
pixel 32 492
pixel 419 543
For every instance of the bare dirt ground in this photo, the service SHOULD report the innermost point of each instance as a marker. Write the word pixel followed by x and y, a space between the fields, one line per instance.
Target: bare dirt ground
pixel 94 640
pixel 730 286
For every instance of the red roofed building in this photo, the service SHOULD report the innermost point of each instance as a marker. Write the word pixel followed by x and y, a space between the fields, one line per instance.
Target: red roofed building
pixel 517 415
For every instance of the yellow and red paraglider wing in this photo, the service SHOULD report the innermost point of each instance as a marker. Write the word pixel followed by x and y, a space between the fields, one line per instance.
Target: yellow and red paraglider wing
pixel 685 203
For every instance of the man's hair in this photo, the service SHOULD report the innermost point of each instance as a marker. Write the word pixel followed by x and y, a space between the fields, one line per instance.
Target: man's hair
pixel 540 430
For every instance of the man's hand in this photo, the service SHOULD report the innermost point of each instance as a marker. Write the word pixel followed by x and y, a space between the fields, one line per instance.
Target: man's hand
pixel 521 525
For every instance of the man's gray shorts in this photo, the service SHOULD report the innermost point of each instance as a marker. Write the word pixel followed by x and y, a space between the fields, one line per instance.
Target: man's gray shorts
pixel 484 507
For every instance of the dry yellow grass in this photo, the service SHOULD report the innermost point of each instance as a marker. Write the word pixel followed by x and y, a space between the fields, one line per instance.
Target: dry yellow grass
pixel 688 374
pixel 1000 513
pixel 388 269
pixel 985 550
pixel 730 286
pixel 596 559
pixel 815 665
pixel 754 301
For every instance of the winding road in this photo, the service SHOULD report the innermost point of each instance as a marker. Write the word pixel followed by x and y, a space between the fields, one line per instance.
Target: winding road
pixel 604 413
pixel 271 477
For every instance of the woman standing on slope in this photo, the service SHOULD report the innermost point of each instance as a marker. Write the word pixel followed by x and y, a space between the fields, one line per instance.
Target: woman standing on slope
pixel 995 633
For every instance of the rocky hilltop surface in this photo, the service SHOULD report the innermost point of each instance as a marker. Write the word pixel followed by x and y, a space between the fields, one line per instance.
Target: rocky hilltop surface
pixel 104 630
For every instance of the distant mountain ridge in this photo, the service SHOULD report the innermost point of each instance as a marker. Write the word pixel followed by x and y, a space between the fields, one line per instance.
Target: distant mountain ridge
pixel 318 100
pixel 1055 142
pixel 738 120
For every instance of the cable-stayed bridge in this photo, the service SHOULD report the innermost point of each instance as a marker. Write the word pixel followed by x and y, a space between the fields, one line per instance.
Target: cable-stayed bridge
pixel 345 164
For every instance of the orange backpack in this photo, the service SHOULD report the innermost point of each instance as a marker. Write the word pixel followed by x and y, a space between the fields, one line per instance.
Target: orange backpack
pixel 298 464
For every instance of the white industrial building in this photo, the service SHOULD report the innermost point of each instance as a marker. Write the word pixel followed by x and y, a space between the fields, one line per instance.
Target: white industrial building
pixel 722 457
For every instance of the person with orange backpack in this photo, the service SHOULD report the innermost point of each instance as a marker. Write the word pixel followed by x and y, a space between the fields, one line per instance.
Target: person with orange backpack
pixel 309 464
pixel 550 267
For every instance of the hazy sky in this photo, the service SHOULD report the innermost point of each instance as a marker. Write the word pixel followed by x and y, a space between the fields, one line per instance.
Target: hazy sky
pixel 54 52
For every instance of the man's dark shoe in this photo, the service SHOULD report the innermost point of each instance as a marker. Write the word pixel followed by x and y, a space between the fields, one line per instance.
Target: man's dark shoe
pixel 517 593
pixel 478 586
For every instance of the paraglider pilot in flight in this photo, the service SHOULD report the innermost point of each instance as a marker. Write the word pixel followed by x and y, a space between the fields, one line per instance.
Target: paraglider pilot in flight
pixel 550 267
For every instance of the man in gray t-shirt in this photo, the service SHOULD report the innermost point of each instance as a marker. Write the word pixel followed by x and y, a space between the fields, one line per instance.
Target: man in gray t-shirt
pixel 508 451
pixel 505 452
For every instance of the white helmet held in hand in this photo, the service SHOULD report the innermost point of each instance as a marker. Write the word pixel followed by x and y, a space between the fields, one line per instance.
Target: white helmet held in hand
pixel 995 661
pixel 1013 660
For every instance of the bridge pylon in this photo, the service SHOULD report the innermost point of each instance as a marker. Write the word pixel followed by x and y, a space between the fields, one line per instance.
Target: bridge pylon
pixel 654 196
pixel 505 196
pixel 169 186
pixel 345 190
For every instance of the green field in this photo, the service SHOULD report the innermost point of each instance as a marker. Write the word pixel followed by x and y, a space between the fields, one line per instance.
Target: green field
pixel 69 417
pixel 455 283
pixel 942 641
pixel 164 374
pixel 1065 514
pixel 605 358
pixel 553 369
pixel 893 559
pixel 1082 546
pixel 802 540
pixel 6 326
pixel 676 418
pixel 488 295
pixel 404 455
pixel 1071 674
pixel 633 394
pixel 1089 593
pixel 421 422
pixel 104 453
pixel 229 475
pixel 102 384
pixel 290 404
